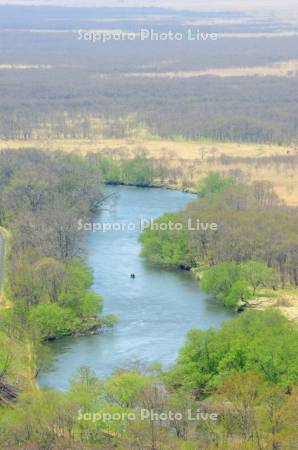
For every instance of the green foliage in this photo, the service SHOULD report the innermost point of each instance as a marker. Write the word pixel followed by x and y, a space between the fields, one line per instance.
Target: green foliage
pixel 75 293
pixel 80 273
pixel 239 292
pixel 96 415
pixel 60 290
pixel 264 342
pixel 3 352
pixel 85 389
pixel 90 305
pixel 218 280
pixel 137 171
pixel 214 183
pixel 167 247
pixel 52 320
pixel 257 273
pixel 109 320
pixel 125 388
pixel 110 170
pixel 235 283
pixel 252 226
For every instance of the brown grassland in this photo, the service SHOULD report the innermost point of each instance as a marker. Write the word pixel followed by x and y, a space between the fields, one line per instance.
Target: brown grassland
pixel 190 161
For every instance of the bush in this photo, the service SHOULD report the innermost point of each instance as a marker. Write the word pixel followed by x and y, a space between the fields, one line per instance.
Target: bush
pixel 214 183
pixel 234 283
pixel 52 320
pixel 218 280
pixel 90 305
pixel 261 341
pixel 167 247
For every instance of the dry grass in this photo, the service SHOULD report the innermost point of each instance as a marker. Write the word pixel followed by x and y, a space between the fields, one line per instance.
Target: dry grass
pixel 286 301
pixel 281 69
pixel 191 159
pixel 25 66
pixel 156 147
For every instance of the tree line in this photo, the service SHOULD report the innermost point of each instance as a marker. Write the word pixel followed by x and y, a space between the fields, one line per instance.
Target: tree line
pixel 256 234
pixel 234 388
pixel 43 195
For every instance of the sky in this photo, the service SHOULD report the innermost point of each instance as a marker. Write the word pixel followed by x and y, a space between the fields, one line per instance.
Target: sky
pixel 177 4
pixel 283 9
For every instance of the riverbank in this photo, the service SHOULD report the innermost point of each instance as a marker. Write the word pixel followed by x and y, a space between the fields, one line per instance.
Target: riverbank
pixel 157 185
pixel 284 300
pixel 91 328
pixel 232 269
pixel 188 161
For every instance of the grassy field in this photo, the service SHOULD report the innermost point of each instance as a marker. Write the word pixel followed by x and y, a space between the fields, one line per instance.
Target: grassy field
pixel 281 69
pixel 285 300
pixel 190 161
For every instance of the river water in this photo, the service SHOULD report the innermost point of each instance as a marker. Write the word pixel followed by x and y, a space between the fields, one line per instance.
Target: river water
pixel 155 310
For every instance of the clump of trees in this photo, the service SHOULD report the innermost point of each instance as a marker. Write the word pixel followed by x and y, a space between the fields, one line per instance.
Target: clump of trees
pixel 214 184
pixel 137 171
pixel 42 197
pixel 168 247
pixel 252 225
pixel 234 388
pixel 258 341
pixel 235 284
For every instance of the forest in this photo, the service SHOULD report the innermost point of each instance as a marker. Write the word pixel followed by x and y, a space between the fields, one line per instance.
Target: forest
pixel 254 244
pixel 62 75
pixel 242 109
pixel 46 279
pixel 47 294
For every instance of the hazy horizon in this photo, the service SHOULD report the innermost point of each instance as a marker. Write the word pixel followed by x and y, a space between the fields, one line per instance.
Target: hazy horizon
pixel 275 6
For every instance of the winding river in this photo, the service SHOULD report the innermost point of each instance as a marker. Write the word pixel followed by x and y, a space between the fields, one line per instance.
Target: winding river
pixel 155 310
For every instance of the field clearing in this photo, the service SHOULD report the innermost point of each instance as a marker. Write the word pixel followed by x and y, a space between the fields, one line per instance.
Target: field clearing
pixel 285 301
pixel 191 160
pixel 156 147
pixel 281 69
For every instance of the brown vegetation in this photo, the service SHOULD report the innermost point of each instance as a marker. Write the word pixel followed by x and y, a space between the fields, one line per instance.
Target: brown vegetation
pixel 190 161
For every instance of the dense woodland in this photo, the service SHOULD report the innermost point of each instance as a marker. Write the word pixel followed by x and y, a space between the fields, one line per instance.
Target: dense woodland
pixel 42 198
pixel 241 109
pixel 86 80
pixel 256 235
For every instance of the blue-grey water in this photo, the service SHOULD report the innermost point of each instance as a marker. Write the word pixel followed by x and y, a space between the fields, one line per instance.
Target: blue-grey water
pixel 155 310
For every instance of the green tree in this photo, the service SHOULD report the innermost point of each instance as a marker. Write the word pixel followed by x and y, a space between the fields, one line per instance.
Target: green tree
pixel 125 388
pixel 257 273
pixel 168 247
pixel 214 183
pixel 218 280
pixel 90 305
pixel 138 171
pixel 52 320
pixel 240 292
pixel 259 341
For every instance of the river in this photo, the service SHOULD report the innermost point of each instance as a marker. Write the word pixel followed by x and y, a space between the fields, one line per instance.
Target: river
pixel 155 310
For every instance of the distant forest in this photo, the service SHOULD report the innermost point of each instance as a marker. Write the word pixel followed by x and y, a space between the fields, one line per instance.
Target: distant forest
pixel 87 80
